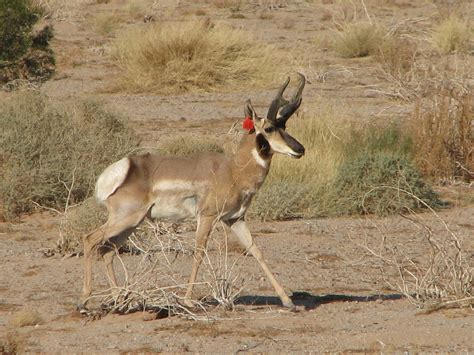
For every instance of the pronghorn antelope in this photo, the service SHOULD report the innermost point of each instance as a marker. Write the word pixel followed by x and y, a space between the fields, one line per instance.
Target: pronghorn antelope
pixel 210 187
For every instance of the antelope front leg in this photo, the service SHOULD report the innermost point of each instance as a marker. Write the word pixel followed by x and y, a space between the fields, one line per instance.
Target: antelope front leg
pixel 242 232
pixel 204 228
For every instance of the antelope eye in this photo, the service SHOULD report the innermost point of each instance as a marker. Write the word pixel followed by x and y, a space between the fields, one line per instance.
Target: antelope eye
pixel 269 129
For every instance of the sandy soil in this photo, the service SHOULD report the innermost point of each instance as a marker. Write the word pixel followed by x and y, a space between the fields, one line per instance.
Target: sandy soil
pixel 343 302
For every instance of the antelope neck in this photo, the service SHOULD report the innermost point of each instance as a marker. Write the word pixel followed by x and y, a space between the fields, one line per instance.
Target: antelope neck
pixel 253 152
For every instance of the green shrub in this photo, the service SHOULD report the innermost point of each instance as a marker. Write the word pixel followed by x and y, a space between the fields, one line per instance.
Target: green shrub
pixel 47 147
pixel 17 18
pixel 370 139
pixel 377 167
pixel 376 183
pixel 24 54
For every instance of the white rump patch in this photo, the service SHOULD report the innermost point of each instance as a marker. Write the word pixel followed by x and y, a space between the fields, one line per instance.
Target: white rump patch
pixel 260 161
pixel 111 179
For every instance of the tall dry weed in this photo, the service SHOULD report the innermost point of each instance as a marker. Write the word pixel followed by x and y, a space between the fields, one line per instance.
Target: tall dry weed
pixel 192 56
pixel 443 128
pixel 398 57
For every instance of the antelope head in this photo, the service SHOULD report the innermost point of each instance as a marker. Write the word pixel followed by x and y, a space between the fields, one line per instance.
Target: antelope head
pixel 271 131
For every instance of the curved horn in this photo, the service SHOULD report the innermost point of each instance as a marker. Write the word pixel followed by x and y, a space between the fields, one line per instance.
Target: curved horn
pixel 276 103
pixel 299 91
pixel 295 102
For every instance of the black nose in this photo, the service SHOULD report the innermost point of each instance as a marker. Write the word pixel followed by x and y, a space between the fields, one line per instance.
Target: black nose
pixel 296 146
pixel 300 149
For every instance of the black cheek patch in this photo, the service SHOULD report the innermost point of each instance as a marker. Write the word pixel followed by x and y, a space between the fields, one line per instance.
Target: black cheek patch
pixel 263 147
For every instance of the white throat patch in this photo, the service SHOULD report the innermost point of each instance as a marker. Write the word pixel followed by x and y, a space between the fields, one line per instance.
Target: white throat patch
pixel 260 161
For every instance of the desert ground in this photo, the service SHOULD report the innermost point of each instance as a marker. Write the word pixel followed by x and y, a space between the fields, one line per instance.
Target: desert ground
pixel 342 297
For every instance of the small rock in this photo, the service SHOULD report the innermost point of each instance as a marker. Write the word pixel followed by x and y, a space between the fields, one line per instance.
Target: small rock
pixel 149 316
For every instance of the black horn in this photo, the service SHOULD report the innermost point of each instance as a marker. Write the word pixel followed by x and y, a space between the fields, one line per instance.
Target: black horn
pixel 277 102
pixel 290 108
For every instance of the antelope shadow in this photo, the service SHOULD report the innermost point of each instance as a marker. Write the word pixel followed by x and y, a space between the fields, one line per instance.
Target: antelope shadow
pixel 309 301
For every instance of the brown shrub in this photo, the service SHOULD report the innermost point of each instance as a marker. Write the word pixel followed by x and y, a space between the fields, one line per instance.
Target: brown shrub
pixel 443 129
pixel 397 56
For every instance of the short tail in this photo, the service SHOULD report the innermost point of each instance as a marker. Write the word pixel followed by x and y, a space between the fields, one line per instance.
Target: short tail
pixel 111 179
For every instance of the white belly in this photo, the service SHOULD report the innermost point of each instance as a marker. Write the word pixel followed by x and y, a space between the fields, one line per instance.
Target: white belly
pixel 174 207
pixel 175 200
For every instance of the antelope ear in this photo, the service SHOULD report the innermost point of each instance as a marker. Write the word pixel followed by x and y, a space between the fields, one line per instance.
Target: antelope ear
pixel 250 111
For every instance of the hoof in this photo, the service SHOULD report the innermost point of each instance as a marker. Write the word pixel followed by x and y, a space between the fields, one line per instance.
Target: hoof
pixel 81 307
pixel 188 303
pixel 289 305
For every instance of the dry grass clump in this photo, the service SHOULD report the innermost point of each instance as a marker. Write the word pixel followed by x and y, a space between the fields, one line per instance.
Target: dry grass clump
pixel 26 317
pixel 453 34
pixel 442 125
pixel 358 39
pixel 197 56
pixel 52 153
pixel 398 57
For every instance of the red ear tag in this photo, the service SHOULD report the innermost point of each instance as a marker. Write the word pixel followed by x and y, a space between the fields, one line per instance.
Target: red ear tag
pixel 247 124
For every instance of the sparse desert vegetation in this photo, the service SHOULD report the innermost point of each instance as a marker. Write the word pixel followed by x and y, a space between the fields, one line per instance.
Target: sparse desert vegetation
pixel 26 317
pixel 52 153
pixel 358 39
pixel 371 229
pixel 190 56
pixel 453 34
